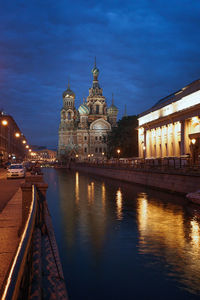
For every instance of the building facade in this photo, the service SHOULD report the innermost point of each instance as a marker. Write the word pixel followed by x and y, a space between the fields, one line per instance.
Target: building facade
pixel 171 128
pixel 83 131
pixel 11 139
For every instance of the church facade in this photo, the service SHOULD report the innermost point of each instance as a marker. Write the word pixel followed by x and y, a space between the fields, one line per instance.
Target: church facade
pixel 83 131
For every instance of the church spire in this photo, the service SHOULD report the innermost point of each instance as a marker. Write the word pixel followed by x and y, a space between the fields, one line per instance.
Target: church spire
pixel 112 99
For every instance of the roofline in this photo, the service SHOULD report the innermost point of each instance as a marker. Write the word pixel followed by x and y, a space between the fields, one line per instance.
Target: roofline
pixel 169 99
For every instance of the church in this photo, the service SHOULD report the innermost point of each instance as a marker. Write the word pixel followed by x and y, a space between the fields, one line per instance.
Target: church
pixel 83 131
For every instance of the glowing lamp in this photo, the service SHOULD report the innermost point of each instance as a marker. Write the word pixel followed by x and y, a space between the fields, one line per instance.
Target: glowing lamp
pixel 17 134
pixel 4 122
pixel 193 141
pixel 24 142
pixel 27 146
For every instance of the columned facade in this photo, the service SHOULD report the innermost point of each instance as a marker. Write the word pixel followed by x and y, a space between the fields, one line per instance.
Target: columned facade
pixel 171 128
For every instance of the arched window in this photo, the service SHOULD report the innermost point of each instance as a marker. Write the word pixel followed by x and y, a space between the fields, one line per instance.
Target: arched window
pixel 97 109
pixel 69 115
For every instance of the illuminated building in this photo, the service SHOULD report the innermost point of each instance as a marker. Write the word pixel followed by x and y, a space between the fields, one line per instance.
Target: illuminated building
pixel 11 139
pixel 83 131
pixel 171 128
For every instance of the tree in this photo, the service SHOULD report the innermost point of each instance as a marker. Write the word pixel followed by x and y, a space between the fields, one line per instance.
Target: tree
pixel 124 137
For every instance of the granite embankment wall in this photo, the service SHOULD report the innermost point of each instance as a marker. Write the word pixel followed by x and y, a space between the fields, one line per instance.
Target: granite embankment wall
pixel 169 181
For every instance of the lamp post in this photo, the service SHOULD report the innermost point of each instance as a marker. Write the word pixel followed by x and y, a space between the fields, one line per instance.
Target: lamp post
pixel 118 153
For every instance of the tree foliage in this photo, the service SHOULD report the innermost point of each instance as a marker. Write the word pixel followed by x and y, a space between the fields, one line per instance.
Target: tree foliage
pixel 124 137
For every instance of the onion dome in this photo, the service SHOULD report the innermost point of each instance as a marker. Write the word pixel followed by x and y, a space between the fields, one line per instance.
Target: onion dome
pixel 83 109
pixel 68 93
pixel 95 70
pixel 112 110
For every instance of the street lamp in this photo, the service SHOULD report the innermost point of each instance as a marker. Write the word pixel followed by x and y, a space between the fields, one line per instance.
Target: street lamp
pixel 193 141
pixel 4 122
pixel 118 153
pixel 27 146
pixel 17 134
pixel 24 142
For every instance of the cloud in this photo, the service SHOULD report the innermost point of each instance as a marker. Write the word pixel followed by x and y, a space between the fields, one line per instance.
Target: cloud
pixel 145 50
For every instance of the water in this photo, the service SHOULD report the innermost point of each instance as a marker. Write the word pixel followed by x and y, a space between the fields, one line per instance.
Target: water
pixel 122 241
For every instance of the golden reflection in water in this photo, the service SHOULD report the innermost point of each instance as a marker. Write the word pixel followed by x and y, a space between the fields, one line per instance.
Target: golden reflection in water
pixel 164 233
pixel 119 204
pixel 143 207
pixel 103 196
pixel 91 193
pixel 195 233
pixel 77 198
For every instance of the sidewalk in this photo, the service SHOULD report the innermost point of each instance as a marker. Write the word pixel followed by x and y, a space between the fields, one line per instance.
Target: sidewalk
pixel 10 221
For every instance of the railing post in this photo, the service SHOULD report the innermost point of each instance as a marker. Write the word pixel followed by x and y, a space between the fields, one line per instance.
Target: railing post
pixel 41 189
pixel 26 202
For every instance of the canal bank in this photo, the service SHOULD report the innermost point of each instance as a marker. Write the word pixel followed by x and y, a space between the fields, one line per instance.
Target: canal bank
pixel 174 181
pixel 30 263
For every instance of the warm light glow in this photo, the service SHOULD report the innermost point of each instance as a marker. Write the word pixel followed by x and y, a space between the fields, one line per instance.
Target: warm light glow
pixel 24 142
pixel 185 102
pixel 118 151
pixel 29 150
pixel 77 188
pixel 195 232
pixel 33 153
pixel 17 134
pixel 144 148
pixel 88 155
pixel 195 120
pixel 193 141
pixel 76 155
pixel 103 195
pixel 92 155
pixel 119 204
pixel 102 153
pixel 4 122
pixel 27 146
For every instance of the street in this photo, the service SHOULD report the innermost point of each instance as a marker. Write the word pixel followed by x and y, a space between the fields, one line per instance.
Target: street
pixel 7 188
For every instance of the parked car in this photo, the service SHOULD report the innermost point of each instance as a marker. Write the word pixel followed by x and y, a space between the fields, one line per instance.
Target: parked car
pixel 16 171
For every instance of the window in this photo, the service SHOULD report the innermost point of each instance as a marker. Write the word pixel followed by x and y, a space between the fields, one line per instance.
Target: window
pixel 69 115
pixel 100 138
pixel 96 150
pixel 97 109
pixel 100 150
pixel 96 138
pixel 85 138
pixel 85 150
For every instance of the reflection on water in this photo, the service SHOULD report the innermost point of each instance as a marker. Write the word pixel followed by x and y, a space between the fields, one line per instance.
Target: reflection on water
pixel 106 226
pixel 119 204
pixel 165 233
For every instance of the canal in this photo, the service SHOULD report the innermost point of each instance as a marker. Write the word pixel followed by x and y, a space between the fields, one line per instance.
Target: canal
pixel 123 241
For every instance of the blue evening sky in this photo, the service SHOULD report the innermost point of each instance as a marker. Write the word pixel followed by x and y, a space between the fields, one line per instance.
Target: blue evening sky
pixel 145 50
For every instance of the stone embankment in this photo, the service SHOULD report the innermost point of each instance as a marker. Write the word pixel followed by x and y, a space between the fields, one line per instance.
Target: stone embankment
pixel 30 263
pixel 179 181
